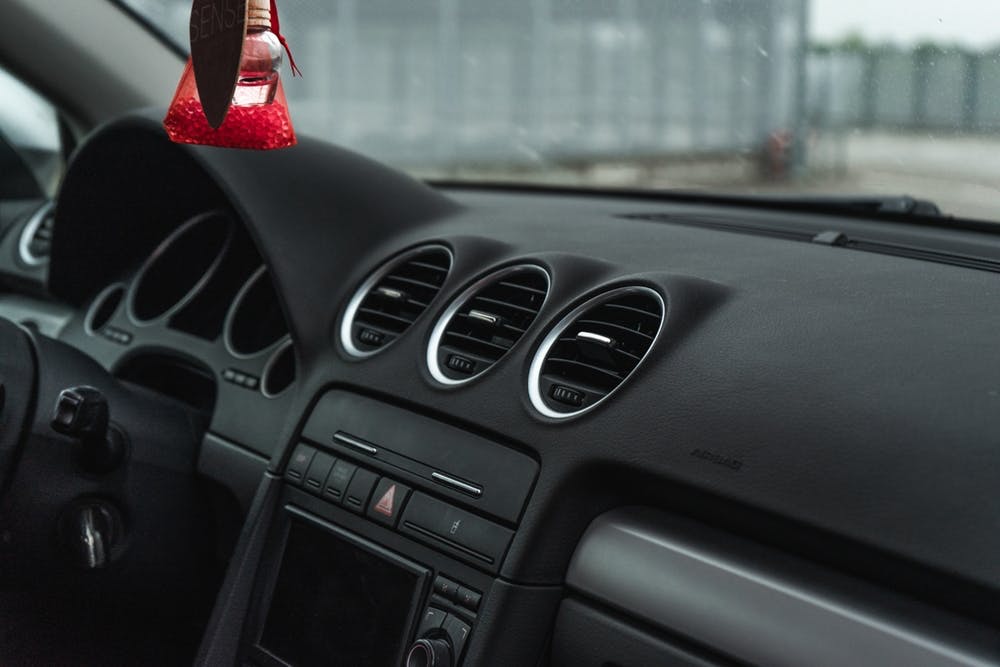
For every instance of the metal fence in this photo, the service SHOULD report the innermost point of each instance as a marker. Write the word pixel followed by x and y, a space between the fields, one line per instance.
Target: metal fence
pixel 522 81
pixel 429 83
pixel 920 89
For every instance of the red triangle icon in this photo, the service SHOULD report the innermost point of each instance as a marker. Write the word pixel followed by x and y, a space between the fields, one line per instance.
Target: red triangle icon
pixel 384 505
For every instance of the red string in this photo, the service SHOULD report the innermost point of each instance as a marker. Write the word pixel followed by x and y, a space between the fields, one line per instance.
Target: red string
pixel 276 29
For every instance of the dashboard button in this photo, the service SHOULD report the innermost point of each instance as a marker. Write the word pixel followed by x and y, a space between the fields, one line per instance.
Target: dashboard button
pixel 299 463
pixel 360 490
pixel 461 364
pixel 469 598
pixel 338 481
pixel 567 396
pixel 116 335
pixel 318 471
pixel 462 532
pixel 458 632
pixel 387 502
pixel 233 376
pixel 371 337
pixel 446 588
pixel 433 619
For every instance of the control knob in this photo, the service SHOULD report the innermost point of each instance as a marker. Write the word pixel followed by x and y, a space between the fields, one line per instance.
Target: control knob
pixel 429 653
pixel 83 414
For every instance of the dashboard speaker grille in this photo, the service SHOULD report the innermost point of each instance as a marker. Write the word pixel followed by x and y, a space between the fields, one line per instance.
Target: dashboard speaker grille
pixel 485 322
pixel 593 350
pixel 392 299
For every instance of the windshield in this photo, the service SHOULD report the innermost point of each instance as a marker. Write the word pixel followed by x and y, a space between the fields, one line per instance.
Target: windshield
pixel 833 97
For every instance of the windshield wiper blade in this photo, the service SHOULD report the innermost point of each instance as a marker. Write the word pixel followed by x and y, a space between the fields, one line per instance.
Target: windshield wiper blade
pixel 900 208
pixel 893 204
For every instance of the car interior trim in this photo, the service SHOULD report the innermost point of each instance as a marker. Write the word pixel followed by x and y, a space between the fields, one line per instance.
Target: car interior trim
pixel 538 361
pixel 227 327
pixel 97 305
pixel 161 250
pixel 28 233
pixel 437 334
pixel 746 603
pixel 347 320
pixel 282 346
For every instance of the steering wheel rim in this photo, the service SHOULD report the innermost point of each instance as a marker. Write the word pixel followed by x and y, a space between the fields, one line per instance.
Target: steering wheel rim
pixel 18 370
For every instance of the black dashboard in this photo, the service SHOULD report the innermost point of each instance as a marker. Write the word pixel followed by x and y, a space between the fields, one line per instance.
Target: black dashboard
pixel 545 427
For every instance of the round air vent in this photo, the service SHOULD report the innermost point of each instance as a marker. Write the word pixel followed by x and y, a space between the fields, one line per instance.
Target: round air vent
pixel 35 244
pixel 485 322
pixel 392 298
pixel 593 350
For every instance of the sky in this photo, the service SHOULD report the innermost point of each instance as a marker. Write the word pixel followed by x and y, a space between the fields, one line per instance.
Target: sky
pixel 973 23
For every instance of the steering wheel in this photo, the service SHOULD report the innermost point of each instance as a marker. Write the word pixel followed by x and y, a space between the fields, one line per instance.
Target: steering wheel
pixel 17 386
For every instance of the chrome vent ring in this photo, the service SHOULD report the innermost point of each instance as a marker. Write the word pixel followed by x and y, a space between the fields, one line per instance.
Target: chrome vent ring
pixel 594 350
pixel 485 322
pixel 392 299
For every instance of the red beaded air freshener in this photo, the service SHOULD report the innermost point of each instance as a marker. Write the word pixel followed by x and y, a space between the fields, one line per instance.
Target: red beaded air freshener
pixel 230 94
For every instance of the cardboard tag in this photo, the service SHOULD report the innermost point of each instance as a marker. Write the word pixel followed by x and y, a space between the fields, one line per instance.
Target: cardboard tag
pixel 218 29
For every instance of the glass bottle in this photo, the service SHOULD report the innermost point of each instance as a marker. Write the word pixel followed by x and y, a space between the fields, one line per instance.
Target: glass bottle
pixel 261 61
pixel 258 117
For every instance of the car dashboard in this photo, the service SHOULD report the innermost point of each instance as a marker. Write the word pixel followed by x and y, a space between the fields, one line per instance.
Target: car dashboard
pixel 484 425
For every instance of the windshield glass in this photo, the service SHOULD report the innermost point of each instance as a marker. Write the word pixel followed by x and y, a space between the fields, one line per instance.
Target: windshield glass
pixel 834 97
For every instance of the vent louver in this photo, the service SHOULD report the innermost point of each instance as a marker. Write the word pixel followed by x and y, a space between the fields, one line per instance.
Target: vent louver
pixel 485 322
pixel 36 240
pixel 593 350
pixel 392 299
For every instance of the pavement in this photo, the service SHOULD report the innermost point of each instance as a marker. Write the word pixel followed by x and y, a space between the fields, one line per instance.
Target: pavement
pixel 960 173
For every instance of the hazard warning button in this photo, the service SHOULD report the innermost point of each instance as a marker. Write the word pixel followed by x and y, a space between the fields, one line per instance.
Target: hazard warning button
pixel 387 502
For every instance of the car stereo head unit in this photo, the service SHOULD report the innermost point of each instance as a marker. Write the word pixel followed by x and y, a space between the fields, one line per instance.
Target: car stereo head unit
pixel 337 600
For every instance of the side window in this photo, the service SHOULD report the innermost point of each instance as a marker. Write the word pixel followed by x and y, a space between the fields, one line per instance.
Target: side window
pixel 30 145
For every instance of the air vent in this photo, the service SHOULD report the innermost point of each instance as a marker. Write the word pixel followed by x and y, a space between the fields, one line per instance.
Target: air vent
pixel 593 350
pixel 485 322
pixel 392 299
pixel 36 240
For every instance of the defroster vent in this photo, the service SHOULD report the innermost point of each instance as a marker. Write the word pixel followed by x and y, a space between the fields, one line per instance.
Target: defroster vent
pixel 593 350
pixel 485 322
pixel 392 299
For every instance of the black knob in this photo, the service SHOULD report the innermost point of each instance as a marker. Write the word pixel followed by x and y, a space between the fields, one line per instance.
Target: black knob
pixel 429 653
pixel 83 413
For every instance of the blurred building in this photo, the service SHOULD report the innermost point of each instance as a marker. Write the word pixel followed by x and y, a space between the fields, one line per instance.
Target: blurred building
pixel 428 83
pixel 930 87
pixel 527 81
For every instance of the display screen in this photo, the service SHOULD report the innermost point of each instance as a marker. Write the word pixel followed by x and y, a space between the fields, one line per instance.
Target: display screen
pixel 338 604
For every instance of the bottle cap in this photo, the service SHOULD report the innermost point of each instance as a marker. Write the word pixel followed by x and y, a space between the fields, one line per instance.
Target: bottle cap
pixel 259 14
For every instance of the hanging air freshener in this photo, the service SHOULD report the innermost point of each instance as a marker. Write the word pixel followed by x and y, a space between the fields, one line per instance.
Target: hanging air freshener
pixel 230 94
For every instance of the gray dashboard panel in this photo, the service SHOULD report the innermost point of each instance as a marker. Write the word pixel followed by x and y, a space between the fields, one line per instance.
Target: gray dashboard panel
pixel 761 607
